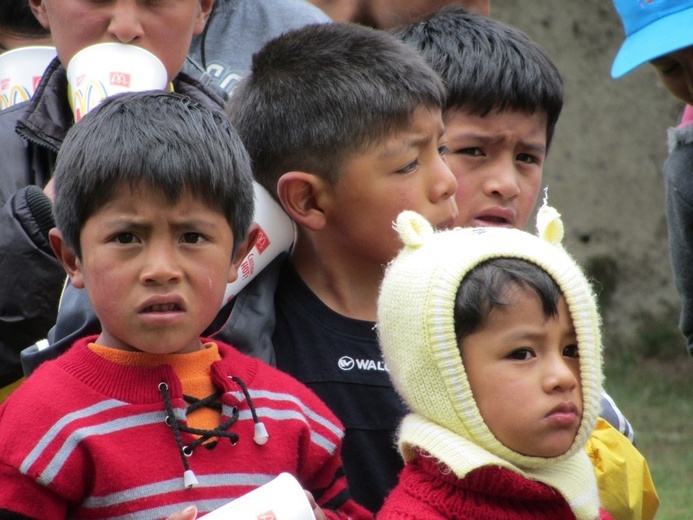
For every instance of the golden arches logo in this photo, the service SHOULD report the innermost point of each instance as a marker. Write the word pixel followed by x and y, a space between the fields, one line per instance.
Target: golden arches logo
pixel 16 94
pixel 87 97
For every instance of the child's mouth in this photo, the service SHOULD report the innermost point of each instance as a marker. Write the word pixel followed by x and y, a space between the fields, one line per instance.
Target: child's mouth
pixel 494 220
pixel 163 307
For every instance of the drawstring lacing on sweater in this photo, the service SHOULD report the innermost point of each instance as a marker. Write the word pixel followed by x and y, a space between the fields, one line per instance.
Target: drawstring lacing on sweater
pixel 260 436
pixel 211 401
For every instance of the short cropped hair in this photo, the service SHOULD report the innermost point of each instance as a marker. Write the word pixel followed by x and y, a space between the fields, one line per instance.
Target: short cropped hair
pixel 160 140
pixel 487 65
pixel 319 94
pixel 486 288
pixel 16 16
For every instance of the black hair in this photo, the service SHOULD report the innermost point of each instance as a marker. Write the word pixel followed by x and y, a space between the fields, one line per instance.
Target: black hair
pixel 486 287
pixel 16 17
pixel 487 65
pixel 161 140
pixel 320 93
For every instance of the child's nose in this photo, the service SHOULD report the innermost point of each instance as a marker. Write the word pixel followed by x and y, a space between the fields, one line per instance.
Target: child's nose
pixel 125 25
pixel 503 180
pixel 160 267
pixel 558 375
pixel 445 183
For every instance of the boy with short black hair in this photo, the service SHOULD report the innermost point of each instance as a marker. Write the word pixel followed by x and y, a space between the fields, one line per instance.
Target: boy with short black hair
pixel 154 203
pixel 492 337
pixel 498 137
pixel 234 30
pixel 343 125
pixel 33 132
pixel 504 98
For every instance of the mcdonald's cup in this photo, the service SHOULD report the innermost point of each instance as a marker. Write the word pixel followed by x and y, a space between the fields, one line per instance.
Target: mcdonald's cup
pixel 280 499
pixel 20 72
pixel 276 236
pixel 105 69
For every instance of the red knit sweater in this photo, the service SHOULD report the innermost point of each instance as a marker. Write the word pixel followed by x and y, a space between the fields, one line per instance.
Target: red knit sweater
pixel 86 438
pixel 427 492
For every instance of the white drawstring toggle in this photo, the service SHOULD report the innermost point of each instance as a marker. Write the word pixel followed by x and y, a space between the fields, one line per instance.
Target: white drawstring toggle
pixel 261 434
pixel 189 479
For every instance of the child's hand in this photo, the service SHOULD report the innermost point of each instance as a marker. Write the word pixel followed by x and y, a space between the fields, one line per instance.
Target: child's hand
pixel 319 515
pixel 189 513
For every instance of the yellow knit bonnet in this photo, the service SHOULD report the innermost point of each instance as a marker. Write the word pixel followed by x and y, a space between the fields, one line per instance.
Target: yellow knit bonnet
pixel 416 326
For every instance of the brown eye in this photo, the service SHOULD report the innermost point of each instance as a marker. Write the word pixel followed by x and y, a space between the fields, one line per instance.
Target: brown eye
pixel 409 168
pixel 571 351
pixel 125 238
pixel 192 238
pixel 521 354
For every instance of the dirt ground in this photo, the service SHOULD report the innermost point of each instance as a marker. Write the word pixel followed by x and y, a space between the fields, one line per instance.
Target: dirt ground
pixel 604 168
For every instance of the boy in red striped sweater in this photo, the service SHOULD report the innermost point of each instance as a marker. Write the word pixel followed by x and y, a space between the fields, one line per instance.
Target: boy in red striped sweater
pixel 154 202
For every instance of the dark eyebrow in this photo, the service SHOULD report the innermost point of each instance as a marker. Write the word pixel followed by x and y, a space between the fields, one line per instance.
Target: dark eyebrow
pixel 412 142
pixel 193 223
pixel 534 148
pixel 121 224
pixel 492 139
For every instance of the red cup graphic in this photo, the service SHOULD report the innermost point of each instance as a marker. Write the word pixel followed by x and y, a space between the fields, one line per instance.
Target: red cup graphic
pixel 276 236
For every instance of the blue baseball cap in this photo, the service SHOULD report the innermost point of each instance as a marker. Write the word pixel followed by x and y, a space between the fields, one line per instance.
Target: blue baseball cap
pixel 653 28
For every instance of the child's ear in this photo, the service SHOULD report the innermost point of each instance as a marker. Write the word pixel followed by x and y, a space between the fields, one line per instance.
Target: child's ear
pixel 202 17
pixel 39 10
pixel 303 197
pixel 243 250
pixel 67 257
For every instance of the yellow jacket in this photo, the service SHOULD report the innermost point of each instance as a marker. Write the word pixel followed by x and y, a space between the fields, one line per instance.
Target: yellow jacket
pixel 625 486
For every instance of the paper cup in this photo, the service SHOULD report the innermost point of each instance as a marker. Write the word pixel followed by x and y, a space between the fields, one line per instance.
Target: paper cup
pixel 20 72
pixel 280 499
pixel 105 69
pixel 276 236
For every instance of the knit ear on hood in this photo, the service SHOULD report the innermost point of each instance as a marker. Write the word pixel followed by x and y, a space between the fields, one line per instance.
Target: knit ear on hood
pixel 549 223
pixel 416 321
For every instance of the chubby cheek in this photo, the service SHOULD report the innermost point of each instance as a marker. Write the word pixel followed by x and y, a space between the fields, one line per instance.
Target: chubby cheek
pixel 505 415
pixel 523 214
pixel 529 193
pixel 494 413
pixel 464 197
pixel 106 276
pixel 210 290
pixel 77 30
pixel 105 288
pixel 173 64
pixel 421 197
pixel 171 50
pixel 456 166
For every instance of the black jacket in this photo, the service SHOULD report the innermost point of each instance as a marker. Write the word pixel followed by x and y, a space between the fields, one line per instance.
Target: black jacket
pixel 31 278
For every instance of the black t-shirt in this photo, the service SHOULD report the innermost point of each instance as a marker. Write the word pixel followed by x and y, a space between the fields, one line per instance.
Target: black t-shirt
pixel 339 359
